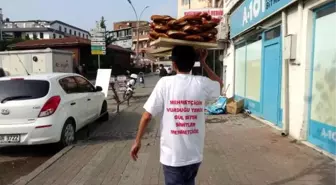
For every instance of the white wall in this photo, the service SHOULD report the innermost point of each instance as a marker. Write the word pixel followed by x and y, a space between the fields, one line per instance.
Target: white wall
pixel 299 74
pixel 305 48
pixel 229 63
pixel 296 79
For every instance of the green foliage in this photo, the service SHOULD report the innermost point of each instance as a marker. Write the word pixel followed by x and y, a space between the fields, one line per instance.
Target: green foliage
pixel 5 43
pixel 35 37
pixel 103 22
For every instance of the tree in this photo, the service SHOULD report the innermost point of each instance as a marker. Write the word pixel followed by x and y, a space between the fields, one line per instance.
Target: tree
pixel 35 37
pixel 108 38
pixel 103 22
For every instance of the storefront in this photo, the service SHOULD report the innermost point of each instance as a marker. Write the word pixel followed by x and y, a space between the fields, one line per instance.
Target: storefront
pixel 256 32
pixel 283 65
pixel 322 106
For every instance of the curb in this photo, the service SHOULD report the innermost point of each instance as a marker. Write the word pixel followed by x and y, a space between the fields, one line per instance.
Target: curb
pixel 27 178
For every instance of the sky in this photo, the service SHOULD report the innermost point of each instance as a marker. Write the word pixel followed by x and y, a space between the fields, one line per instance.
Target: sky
pixel 84 13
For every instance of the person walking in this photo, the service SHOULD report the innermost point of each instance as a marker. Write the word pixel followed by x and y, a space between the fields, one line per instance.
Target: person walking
pixel 2 72
pixel 180 99
pixel 163 71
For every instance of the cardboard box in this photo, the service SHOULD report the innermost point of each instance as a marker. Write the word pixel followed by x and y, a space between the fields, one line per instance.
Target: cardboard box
pixel 234 107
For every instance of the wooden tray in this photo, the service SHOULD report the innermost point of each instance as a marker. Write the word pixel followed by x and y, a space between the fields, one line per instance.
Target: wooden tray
pixel 168 42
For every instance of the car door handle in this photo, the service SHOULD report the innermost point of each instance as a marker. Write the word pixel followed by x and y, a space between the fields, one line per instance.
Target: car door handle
pixel 89 99
pixel 73 103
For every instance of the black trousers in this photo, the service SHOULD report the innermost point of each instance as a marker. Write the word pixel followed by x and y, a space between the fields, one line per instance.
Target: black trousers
pixel 183 175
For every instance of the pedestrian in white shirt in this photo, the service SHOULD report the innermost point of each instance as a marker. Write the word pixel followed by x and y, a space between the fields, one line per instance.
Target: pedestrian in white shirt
pixel 180 100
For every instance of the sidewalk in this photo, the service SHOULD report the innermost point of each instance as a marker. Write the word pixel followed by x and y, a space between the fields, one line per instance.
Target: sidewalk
pixel 239 151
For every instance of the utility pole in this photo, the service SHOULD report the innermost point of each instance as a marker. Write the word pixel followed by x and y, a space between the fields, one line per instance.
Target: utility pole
pixel 1 24
pixel 138 27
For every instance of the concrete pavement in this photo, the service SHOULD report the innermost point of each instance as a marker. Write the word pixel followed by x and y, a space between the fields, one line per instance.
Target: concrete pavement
pixel 238 151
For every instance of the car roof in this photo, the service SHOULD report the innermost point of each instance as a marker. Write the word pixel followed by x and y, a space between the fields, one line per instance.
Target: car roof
pixel 44 76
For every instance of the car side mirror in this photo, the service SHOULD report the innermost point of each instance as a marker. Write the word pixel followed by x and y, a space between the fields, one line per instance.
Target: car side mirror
pixel 99 89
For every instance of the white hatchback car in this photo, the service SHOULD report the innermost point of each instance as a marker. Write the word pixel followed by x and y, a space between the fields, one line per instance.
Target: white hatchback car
pixel 47 108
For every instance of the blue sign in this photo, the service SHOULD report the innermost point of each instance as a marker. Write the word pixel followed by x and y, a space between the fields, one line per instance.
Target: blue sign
pixel 251 12
pixel 323 136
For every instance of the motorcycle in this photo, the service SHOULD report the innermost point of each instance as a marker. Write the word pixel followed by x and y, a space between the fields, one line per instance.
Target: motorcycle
pixel 130 86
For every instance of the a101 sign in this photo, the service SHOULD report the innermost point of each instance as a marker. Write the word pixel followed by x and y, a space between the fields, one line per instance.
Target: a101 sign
pixel 251 12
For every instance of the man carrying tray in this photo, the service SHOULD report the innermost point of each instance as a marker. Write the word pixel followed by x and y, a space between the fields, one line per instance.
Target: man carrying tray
pixel 180 101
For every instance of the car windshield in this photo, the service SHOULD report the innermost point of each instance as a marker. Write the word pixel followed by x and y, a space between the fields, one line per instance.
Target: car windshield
pixel 23 89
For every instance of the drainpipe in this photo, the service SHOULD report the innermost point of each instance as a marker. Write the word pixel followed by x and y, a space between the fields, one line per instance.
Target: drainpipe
pixel 285 69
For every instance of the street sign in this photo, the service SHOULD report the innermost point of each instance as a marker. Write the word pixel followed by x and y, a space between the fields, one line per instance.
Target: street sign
pixel 100 48
pixel 98 39
pixel 98 34
pixel 98 42
pixel 96 52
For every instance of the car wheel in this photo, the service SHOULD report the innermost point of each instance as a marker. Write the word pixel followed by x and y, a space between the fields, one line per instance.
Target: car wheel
pixel 68 135
pixel 104 115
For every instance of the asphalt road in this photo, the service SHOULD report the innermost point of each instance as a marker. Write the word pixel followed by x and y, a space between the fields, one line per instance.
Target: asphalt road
pixel 17 161
pixel 21 160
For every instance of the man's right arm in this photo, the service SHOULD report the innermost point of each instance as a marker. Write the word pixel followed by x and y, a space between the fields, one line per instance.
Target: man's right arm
pixel 212 75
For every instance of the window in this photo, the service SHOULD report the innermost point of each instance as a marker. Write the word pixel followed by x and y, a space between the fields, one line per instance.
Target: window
pixel 69 85
pixel 65 30
pixel 60 28
pixel 34 36
pixel 87 36
pixel 54 36
pixel 248 58
pixel 253 70
pixel 75 33
pixel 70 31
pixel 84 85
pixel 274 33
pixel 79 34
pixel 60 36
pixel 240 57
pixel 41 35
pixel 323 89
pixel 122 33
pixel 31 89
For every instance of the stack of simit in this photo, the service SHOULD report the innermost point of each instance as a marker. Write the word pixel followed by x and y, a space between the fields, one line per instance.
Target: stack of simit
pixel 199 27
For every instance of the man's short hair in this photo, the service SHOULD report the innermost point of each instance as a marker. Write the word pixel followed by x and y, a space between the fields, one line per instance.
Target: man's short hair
pixel 184 58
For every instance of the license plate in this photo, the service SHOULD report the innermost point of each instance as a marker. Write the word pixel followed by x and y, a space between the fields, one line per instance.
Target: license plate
pixel 9 138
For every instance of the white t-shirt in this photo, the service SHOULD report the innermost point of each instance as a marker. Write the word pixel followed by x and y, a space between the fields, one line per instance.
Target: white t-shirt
pixel 181 100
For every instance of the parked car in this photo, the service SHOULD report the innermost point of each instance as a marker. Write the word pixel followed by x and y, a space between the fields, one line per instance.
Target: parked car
pixel 48 108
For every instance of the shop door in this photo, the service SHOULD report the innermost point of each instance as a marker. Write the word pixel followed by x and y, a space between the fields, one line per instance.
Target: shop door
pixel 271 76
pixel 322 101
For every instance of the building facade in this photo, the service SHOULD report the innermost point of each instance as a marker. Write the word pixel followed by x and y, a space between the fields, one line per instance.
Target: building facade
pixel 183 5
pixel 282 62
pixel 122 37
pixel 42 29
pixel 117 58
pixel 143 32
